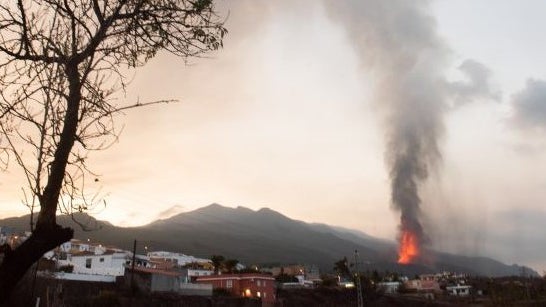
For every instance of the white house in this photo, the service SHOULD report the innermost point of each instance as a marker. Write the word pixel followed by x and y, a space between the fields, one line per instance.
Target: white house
pixel 177 258
pixel 389 287
pixel 110 263
pixel 189 273
pixel 75 245
pixel 459 290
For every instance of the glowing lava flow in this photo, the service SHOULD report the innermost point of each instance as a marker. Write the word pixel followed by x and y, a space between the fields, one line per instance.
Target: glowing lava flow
pixel 409 248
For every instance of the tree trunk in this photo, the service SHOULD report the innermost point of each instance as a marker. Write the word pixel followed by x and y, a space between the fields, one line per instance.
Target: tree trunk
pixel 47 235
pixel 18 261
pixel 50 196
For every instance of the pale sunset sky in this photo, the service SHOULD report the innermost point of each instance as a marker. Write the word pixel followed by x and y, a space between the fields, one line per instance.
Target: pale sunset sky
pixel 289 115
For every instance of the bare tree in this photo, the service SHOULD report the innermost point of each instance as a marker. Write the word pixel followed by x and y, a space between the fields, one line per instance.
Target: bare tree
pixel 61 62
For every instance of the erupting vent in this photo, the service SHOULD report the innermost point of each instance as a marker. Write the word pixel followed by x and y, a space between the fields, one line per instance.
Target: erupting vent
pixel 409 248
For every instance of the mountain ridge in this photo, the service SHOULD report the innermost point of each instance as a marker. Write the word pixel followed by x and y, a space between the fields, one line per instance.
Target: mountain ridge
pixel 267 236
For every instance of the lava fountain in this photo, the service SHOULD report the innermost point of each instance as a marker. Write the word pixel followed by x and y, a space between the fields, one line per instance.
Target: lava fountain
pixel 409 248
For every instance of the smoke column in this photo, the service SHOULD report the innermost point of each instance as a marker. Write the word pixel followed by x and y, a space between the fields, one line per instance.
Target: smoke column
pixel 398 45
pixel 400 50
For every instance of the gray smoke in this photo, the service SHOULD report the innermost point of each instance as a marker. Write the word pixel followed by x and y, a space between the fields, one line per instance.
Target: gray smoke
pixel 400 49
pixel 529 106
pixel 477 85
pixel 399 46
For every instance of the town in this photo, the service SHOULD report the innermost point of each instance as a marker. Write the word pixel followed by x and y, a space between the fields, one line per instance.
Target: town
pixel 369 152
pixel 113 276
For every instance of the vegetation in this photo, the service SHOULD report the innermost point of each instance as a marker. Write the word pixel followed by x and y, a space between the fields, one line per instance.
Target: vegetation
pixel 341 267
pixel 282 278
pixel 106 298
pixel 221 264
pixel 230 265
pixel 217 262
pixel 61 62
pixel 329 281
pixel 221 292
pixel 511 290
pixel 66 268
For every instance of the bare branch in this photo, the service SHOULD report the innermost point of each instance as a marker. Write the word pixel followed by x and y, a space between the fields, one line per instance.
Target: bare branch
pixel 60 70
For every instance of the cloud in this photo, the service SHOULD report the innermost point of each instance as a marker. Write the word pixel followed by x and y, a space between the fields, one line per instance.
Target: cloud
pixel 477 85
pixel 169 212
pixel 529 106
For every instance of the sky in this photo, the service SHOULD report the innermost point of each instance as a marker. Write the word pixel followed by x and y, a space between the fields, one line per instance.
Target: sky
pixel 307 105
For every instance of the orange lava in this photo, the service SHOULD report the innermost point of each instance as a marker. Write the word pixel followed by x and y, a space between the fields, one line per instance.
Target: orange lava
pixel 409 248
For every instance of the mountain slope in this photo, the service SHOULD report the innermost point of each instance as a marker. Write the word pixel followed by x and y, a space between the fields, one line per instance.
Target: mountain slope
pixel 255 236
pixel 266 236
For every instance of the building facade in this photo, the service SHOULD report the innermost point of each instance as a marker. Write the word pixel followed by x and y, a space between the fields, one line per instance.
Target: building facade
pixel 177 259
pixel 108 263
pixel 246 285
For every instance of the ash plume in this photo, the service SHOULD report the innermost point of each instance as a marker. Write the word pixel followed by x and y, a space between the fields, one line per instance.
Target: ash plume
pixel 398 44
pixel 399 47
pixel 529 109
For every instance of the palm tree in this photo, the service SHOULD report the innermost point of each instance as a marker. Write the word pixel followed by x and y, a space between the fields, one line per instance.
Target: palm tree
pixel 231 265
pixel 341 267
pixel 217 261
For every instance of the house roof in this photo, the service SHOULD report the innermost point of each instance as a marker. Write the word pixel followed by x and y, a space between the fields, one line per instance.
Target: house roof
pixel 235 276
pixel 87 253
pixel 82 253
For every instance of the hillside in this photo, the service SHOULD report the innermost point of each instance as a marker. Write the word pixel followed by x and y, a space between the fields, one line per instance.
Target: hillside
pixel 266 236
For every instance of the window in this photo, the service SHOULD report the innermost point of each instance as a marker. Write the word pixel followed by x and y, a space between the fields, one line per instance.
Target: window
pixel 258 294
pixel 88 263
pixel 265 294
pixel 258 283
pixel 229 283
pixel 101 259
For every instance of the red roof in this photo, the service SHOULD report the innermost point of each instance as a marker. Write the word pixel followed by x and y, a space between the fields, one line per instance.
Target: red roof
pixel 236 276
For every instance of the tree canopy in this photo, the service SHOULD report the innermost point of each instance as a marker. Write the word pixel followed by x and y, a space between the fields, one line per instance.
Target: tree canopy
pixel 217 262
pixel 62 62
pixel 341 267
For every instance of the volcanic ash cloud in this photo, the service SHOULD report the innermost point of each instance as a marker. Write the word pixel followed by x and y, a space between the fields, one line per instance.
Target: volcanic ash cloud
pixel 398 45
